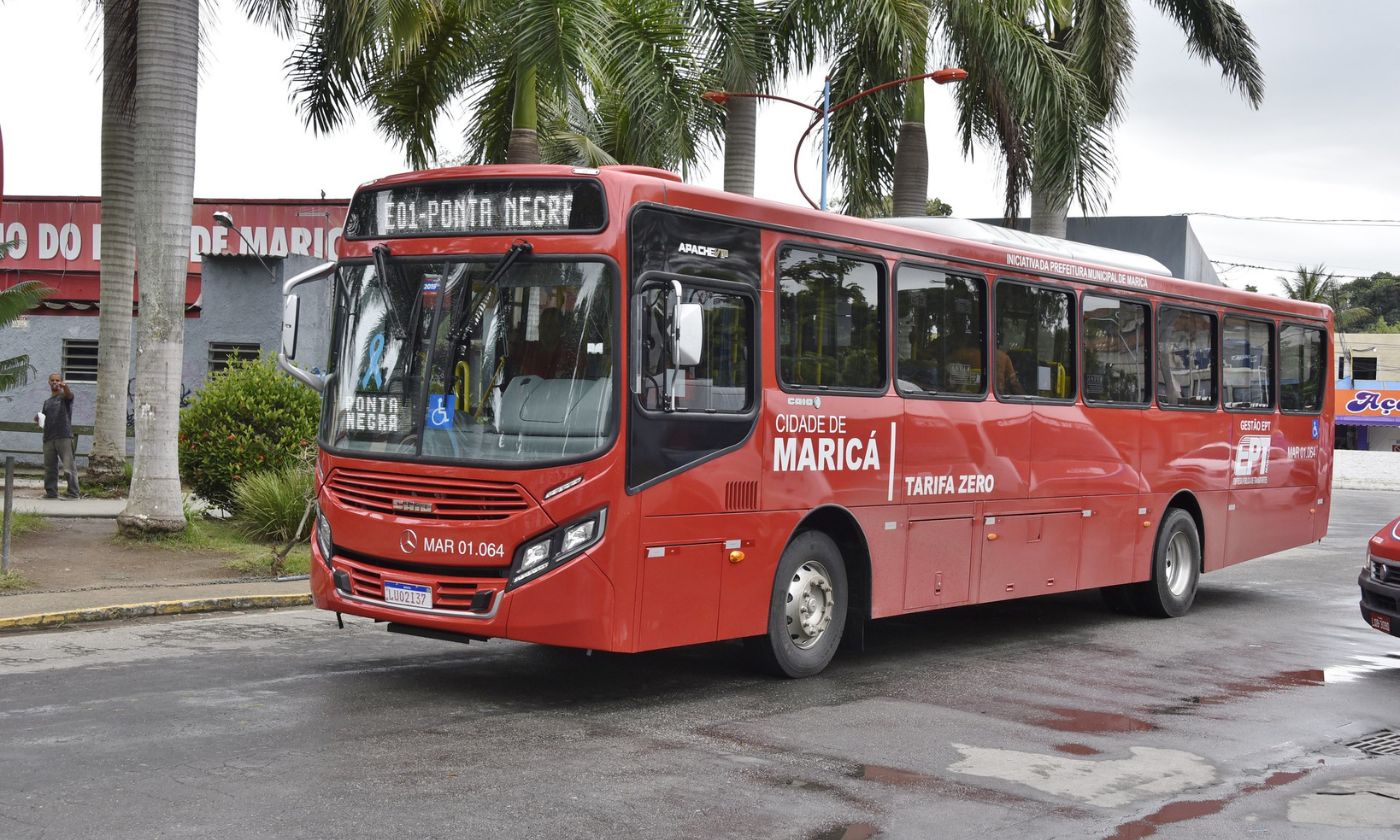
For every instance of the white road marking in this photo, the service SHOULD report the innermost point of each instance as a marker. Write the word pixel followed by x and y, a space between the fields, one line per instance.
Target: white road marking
pixel 1108 783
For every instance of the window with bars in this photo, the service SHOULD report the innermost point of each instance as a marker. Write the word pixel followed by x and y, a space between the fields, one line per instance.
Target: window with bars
pixel 221 353
pixel 79 360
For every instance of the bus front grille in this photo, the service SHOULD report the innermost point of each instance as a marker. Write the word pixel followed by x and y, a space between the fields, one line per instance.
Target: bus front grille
pixel 451 499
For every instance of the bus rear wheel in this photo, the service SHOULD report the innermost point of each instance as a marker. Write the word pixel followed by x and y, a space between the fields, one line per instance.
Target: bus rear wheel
pixel 1176 568
pixel 807 613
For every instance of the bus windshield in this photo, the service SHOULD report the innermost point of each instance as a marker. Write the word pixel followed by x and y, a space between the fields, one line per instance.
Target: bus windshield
pixel 442 360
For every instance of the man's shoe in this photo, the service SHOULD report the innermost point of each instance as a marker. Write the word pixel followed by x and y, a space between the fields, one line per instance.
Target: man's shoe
pixel 70 495
pixel 48 496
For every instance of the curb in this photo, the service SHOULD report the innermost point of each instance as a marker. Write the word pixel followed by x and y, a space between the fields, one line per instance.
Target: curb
pixel 194 605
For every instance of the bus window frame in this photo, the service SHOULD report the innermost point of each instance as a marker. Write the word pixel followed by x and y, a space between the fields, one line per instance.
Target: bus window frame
pixel 1273 406
pixel 894 330
pixel 1023 399
pixel 883 287
pixel 657 278
pixel 619 387
pixel 1217 338
pixel 1151 344
pixel 1326 373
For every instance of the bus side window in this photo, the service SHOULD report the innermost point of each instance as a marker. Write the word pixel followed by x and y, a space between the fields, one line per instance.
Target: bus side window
pixel 1115 351
pixel 1247 364
pixel 831 316
pixel 941 333
pixel 1034 342
pixel 1185 358
pixel 721 382
pixel 1302 368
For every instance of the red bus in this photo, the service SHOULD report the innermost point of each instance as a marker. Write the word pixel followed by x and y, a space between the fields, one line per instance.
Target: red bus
pixel 609 410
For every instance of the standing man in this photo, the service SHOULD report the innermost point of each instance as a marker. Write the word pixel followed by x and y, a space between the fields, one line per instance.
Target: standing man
pixel 56 419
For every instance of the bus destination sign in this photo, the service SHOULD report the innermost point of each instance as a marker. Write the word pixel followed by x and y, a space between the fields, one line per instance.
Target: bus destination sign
pixel 477 207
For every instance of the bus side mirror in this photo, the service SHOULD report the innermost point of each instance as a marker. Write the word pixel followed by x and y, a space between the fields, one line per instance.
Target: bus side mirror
pixel 291 312
pixel 689 334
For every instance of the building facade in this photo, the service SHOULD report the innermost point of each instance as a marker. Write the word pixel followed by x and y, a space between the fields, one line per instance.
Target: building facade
pixel 1368 391
pixel 233 294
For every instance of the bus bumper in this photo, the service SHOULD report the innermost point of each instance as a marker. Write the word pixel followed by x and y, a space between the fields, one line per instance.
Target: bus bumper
pixel 1380 604
pixel 571 606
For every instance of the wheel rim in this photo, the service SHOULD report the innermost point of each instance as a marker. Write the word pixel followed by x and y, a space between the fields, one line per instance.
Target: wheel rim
pixel 1181 562
pixel 810 603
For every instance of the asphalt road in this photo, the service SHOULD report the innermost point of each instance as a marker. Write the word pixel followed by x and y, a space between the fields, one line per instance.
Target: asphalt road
pixel 1048 718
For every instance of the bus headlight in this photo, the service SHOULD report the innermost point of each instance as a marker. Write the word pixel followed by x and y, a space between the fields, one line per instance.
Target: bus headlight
pixel 556 547
pixel 323 537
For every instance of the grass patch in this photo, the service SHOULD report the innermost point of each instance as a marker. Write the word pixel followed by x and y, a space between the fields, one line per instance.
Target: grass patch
pixel 261 564
pixel 224 536
pixel 26 522
pixel 13 580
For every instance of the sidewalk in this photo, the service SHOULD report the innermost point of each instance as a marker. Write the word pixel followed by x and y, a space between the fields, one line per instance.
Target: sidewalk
pixel 77 571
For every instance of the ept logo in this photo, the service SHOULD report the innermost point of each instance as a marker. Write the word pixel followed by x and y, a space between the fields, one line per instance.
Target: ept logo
pixel 1252 459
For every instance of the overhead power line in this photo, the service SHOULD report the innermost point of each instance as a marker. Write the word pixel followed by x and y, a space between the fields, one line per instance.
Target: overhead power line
pixel 1293 268
pixel 1292 220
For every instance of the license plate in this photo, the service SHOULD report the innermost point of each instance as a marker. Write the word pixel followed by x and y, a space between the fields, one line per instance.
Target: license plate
pixel 1380 622
pixel 408 594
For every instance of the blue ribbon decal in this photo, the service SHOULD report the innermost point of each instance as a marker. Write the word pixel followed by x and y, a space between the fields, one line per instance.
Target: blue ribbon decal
pixel 374 371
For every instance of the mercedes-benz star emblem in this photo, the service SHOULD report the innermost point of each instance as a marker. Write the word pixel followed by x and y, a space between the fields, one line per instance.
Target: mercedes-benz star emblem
pixel 408 541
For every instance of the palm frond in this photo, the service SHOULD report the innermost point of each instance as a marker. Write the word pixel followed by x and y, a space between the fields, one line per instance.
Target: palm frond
pixel 280 15
pixel 409 94
pixel 1102 47
pixel 330 70
pixel 20 298
pixel 1215 30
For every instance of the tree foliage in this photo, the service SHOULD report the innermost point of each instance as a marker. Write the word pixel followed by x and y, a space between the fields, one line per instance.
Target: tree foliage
pixel 589 81
pixel 249 417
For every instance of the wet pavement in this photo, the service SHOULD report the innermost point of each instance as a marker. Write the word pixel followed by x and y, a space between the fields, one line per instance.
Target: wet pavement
pixel 1048 718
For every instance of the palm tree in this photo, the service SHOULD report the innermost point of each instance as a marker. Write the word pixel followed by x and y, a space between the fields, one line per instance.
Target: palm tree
pixel 1095 37
pixel 14 302
pixel 1311 284
pixel 588 80
pixel 165 96
pixel 1015 81
pixel 118 258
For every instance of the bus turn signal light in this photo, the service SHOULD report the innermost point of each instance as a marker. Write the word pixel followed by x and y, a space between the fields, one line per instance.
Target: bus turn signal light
pixel 736 556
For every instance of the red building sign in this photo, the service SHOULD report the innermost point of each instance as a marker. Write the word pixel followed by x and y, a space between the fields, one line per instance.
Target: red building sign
pixel 59 240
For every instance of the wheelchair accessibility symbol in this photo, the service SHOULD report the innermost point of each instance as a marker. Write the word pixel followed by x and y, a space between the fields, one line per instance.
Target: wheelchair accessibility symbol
pixel 441 408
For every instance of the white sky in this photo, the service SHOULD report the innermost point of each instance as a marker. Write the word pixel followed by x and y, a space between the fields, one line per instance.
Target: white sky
pixel 1322 146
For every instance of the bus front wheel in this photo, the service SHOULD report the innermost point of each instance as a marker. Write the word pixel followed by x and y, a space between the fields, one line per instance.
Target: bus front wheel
pixel 1176 568
pixel 807 613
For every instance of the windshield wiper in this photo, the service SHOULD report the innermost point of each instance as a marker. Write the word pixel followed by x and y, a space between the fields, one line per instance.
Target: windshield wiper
pixel 461 327
pixel 381 267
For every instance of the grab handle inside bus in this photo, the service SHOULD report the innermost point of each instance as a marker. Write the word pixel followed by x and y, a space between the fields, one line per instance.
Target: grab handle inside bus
pixel 291 316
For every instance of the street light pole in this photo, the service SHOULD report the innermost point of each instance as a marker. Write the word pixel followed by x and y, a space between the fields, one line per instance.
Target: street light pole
pixel 823 114
pixel 224 219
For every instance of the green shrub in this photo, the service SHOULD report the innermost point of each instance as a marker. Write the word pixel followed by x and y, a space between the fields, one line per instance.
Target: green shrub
pixel 248 417
pixel 270 503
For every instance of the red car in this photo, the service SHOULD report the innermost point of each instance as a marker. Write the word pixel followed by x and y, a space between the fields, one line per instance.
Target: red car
pixel 1380 580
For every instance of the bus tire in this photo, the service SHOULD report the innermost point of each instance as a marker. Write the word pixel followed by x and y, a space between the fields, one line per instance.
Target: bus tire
pixel 807 612
pixel 1176 568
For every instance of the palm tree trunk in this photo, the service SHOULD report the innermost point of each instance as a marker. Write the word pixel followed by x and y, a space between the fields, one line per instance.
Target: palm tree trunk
pixel 740 130
pixel 167 48
pixel 524 137
pixel 1048 213
pixel 911 151
pixel 118 244
pixel 911 170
